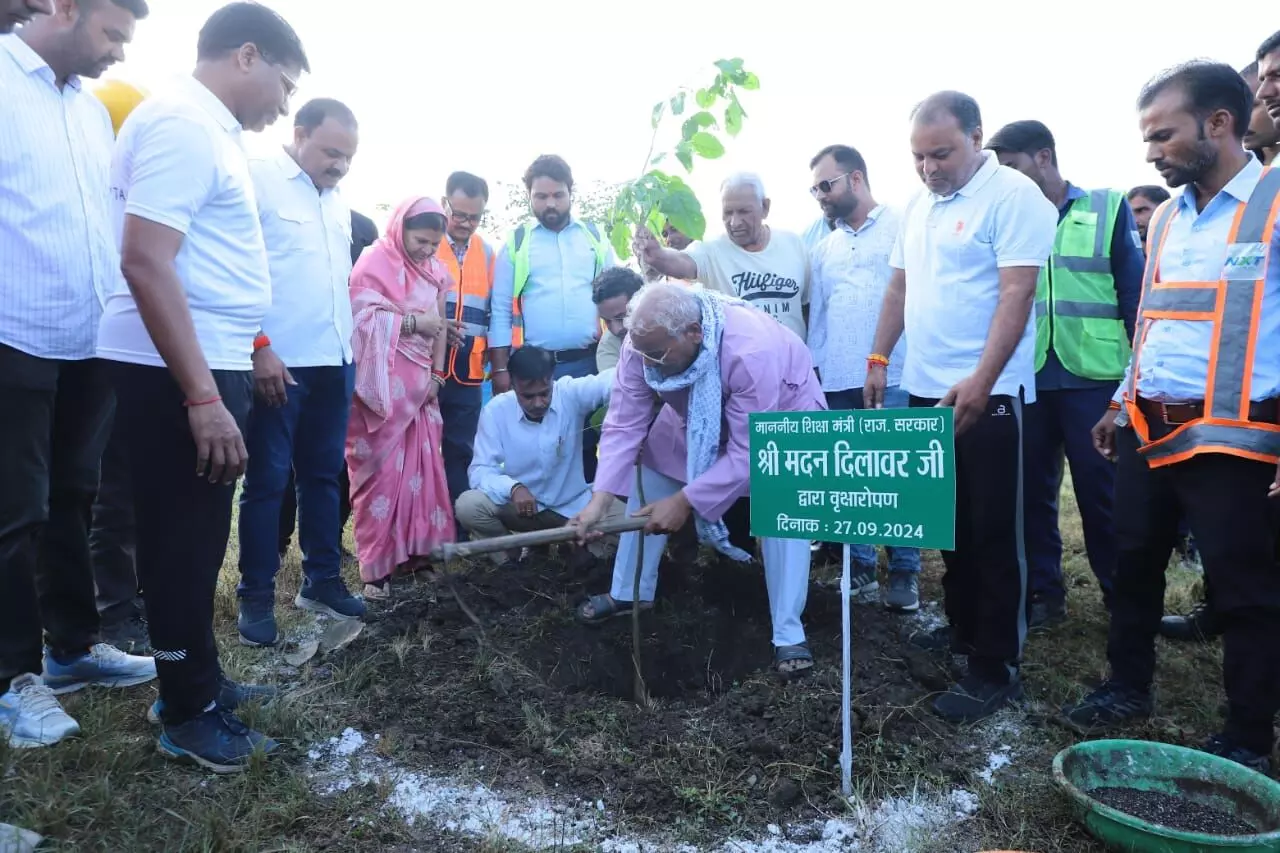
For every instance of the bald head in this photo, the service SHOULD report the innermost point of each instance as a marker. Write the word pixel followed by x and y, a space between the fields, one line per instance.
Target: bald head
pixel 941 107
pixel 669 307
pixel 666 327
pixel 946 141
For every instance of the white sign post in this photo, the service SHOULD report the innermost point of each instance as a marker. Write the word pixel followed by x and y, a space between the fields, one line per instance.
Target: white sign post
pixel 846 749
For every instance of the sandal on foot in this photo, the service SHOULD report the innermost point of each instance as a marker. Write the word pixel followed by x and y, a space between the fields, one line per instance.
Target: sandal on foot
pixel 792 660
pixel 376 592
pixel 604 607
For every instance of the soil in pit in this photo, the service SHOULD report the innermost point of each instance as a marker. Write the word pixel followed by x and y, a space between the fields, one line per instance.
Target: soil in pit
pixel 545 704
pixel 1172 811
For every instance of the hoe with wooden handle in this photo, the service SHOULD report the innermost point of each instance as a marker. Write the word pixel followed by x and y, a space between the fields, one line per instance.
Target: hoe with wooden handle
pixel 532 539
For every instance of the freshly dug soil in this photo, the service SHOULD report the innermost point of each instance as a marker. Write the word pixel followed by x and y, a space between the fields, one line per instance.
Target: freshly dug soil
pixel 1171 811
pixel 534 701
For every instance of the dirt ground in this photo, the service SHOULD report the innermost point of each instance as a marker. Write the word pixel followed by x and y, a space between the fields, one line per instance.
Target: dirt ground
pixel 724 740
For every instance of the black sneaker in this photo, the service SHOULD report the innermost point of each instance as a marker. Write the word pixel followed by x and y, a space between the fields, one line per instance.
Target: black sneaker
pixel 129 635
pixel 216 740
pixel 257 623
pixel 974 698
pixel 1045 613
pixel 1201 625
pixel 1110 705
pixel 904 593
pixel 332 599
pixel 232 696
pixel 1224 747
pixel 940 640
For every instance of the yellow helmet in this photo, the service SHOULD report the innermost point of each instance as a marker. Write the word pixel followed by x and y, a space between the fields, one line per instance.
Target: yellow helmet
pixel 119 98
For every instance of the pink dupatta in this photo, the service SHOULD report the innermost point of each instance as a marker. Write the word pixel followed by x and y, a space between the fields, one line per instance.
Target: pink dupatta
pixel 387 284
pixel 399 492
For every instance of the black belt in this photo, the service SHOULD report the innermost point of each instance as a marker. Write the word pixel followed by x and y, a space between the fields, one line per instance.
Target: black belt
pixel 568 356
pixel 1266 411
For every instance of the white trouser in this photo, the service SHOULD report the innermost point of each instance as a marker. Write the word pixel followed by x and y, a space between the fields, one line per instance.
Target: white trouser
pixel 786 566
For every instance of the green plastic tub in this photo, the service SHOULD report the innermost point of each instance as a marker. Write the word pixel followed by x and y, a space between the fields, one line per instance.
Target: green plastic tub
pixel 1197 776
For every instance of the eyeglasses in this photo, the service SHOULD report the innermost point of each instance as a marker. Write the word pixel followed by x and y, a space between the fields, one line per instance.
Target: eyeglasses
pixel 656 360
pixel 825 187
pixel 290 85
pixel 464 218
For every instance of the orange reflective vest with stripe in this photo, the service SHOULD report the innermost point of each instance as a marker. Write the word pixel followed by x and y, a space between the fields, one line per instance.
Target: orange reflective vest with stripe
pixel 1233 305
pixel 469 303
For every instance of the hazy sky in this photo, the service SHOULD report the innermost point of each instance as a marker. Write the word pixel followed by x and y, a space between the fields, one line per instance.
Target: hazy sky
pixel 487 86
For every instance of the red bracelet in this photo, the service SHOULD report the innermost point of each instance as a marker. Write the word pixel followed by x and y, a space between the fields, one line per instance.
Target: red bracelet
pixel 191 404
pixel 876 358
pixel 1113 406
pixel 261 342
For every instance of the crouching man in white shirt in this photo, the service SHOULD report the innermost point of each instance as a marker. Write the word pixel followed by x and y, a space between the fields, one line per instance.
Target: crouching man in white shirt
pixel 527 471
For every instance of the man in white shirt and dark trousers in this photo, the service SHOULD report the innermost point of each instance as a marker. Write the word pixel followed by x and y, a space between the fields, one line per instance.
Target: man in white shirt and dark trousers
pixel 966 263
pixel 303 372
pixel 180 340
pixel 57 258
pixel 850 274
pixel 527 472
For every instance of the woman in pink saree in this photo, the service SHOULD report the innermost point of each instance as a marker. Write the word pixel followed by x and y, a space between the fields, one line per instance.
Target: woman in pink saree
pixel 399 495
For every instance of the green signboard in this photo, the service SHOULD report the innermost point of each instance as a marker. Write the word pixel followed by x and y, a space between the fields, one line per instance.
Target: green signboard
pixel 874 477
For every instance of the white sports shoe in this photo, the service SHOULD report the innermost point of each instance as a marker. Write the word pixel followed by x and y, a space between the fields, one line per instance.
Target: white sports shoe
pixel 103 666
pixel 31 716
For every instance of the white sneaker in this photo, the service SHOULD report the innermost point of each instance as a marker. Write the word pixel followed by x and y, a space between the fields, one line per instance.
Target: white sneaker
pixel 103 666
pixel 31 716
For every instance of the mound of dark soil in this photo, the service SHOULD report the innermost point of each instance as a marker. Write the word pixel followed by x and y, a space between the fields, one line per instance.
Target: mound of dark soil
pixel 542 701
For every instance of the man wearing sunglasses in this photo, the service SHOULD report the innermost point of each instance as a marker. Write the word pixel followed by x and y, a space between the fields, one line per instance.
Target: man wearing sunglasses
pixel 470 262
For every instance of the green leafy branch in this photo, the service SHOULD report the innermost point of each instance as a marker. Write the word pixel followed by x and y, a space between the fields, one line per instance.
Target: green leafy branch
pixel 658 197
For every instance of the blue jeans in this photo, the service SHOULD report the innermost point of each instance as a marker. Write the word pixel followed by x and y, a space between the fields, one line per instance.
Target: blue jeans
pixel 864 556
pixel 307 435
pixel 1061 421
pixel 579 369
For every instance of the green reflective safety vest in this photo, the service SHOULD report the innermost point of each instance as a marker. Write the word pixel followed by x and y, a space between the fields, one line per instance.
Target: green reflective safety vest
pixel 1077 311
pixel 518 247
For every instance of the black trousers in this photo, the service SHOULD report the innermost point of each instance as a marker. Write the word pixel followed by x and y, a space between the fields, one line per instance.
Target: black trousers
pixel 183 522
pixel 1224 498
pixel 55 422
pixel 984 587
pixel 111 538
pixel 460 408
pixel 289 506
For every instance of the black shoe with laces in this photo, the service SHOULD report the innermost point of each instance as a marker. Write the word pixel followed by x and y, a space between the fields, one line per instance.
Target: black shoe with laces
pixel 232 696
pixel 215 740
pixel 1227 748
pixel 1045 613
pixel 1112 704
pixel 974 698
pixel 1201 625
pixel 129 635
pixel 941 639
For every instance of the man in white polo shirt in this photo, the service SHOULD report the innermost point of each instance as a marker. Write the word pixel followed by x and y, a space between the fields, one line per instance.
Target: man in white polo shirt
pixel 967 260
pixel 303 371
pixel 766 268
pixel 180 340
pixel 57 258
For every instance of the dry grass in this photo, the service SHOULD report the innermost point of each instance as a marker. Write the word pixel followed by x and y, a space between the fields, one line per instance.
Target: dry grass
pixel 109 790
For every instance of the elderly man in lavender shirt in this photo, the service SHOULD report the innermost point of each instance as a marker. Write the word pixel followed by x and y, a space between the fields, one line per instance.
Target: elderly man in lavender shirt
pixel 695 364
